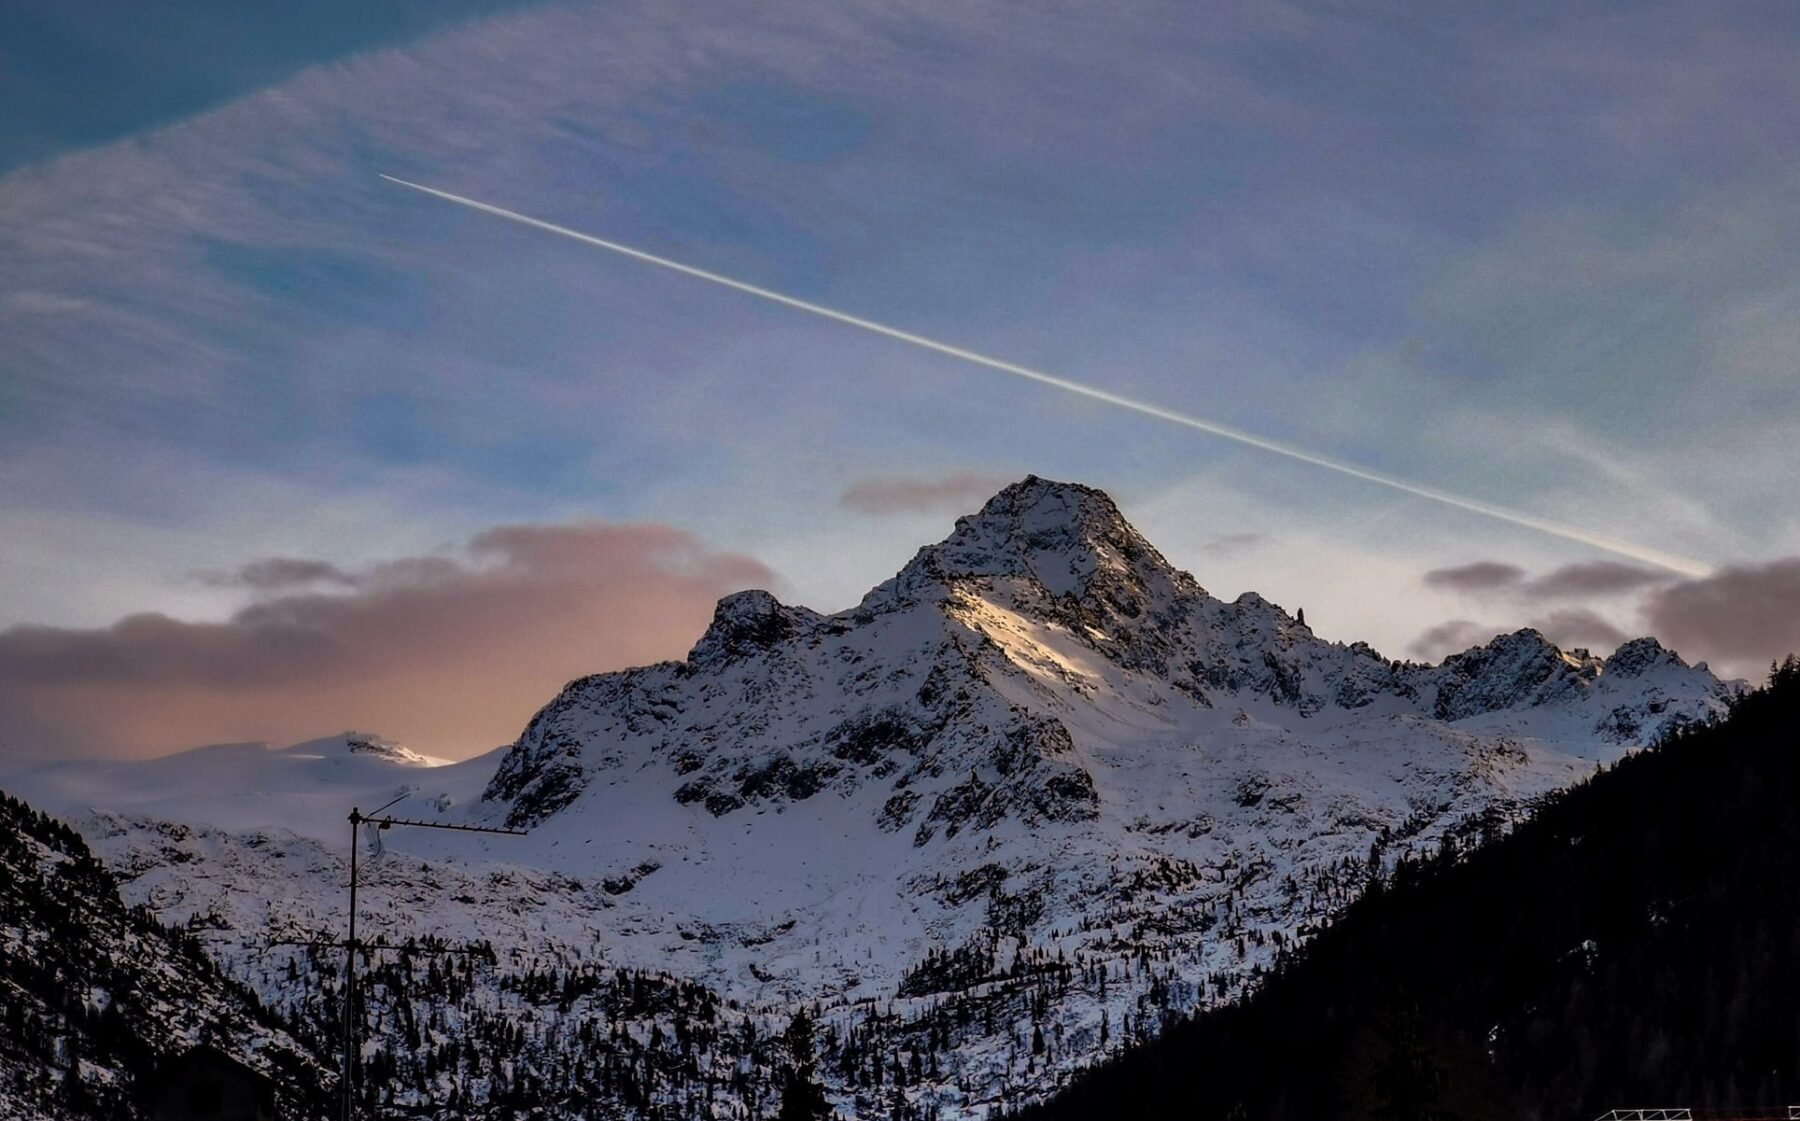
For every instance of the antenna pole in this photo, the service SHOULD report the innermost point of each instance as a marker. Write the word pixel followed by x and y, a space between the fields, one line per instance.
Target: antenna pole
pixel 358 819
pixel 348 1081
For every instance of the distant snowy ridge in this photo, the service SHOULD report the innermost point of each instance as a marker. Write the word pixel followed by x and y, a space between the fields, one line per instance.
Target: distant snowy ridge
pixel 306 787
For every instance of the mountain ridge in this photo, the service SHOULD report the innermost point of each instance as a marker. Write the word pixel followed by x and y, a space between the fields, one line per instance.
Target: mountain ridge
pixel 1062 555
pixel 1040 782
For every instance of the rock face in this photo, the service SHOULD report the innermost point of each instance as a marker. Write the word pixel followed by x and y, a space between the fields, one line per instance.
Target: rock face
pixel 1032 794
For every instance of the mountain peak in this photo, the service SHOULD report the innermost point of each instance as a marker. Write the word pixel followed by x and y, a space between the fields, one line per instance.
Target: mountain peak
pixel 744 622
pixel 1058 501
pixel 1065 537
pixel 1639 656
pixel 352 744
pixel 1044 515
pixel 1523 667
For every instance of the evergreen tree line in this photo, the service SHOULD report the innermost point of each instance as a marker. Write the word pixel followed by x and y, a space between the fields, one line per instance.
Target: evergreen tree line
pixel 1636 942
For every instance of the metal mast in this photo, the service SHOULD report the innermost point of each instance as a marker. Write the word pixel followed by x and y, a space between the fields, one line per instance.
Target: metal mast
pixel 347 1080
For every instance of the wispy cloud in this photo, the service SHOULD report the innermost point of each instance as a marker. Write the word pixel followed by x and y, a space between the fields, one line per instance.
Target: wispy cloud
pixel 50 54
pixel 274 574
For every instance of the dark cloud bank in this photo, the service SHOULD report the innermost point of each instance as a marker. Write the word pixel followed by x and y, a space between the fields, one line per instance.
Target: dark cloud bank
pixel 1738 619
pixel 1481 576
pixel 1744 616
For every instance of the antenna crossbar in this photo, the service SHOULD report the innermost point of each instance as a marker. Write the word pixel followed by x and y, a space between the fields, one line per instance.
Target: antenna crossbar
pixel 375 947
pixel 385 822
pixel 351 945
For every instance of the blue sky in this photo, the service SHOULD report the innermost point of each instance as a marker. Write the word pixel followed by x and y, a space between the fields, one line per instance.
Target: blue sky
pixel 1544 255
pixel 85 72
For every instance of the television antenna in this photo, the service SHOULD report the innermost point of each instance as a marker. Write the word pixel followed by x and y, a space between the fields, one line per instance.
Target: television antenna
pixel 1715 1113
pixel 381 821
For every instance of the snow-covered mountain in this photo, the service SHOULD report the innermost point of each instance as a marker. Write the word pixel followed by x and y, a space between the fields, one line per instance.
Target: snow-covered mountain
pixel 1030 796
pixel 306 788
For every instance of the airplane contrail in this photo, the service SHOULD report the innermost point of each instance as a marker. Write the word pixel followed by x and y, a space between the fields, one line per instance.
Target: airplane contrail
pixel 1644 554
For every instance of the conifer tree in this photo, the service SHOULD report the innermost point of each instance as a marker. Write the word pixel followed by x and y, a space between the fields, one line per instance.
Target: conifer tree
pixel 802 1097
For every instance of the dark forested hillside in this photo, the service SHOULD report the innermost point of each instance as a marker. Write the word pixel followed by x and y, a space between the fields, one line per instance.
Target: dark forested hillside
pixel 94 996
pixel 1636 943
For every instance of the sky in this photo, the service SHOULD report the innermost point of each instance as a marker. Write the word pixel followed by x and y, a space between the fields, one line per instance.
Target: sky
pixel 286 449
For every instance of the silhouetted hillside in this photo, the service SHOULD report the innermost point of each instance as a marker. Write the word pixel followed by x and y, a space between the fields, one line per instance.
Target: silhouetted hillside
pixel 93 997
pixel 1637 942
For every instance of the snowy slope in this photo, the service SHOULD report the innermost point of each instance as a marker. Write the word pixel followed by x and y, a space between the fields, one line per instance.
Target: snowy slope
pixel 1040 777
pixel 307 788
pixel 1042 695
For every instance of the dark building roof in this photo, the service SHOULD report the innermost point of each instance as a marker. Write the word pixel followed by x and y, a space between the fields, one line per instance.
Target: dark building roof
pixel 206 1084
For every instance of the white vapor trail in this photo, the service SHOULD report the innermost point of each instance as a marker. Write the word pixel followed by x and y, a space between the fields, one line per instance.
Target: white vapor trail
pixel 1642 553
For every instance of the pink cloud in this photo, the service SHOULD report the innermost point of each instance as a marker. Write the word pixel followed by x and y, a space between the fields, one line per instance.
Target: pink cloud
pixel 960 491
pixel 451 654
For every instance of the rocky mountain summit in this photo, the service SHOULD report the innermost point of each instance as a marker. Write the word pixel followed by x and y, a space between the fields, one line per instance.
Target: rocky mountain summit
pixel 1030 797
pixel 950 683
